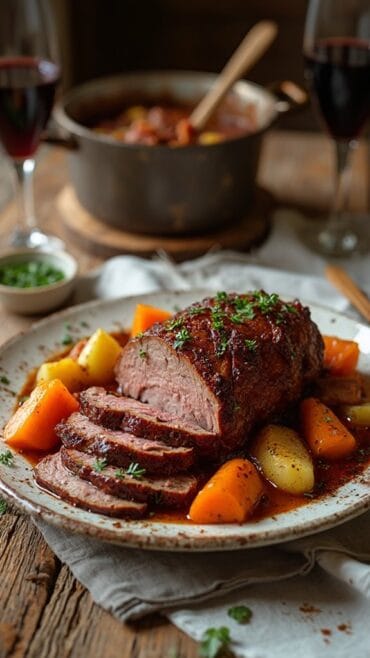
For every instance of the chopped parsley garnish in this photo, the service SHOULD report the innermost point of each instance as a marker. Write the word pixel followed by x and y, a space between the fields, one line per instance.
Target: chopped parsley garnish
pixel 244 310
pixel 196 310
pixel 3 506
pixel 181 337
pixel 140 334
pixel 265 302
pixel 251 343
pixel 214 641
pixel 222 346
pixel 6 458
pixel 217 318
pixel 135 471
pixel 143 354
pixel 174 324
pixel 67 339
pixel 4 380
pixel 30 274
pixel 120 473
pixel 100 464
pixel 222 296
pixel 290 308
pixel 240 613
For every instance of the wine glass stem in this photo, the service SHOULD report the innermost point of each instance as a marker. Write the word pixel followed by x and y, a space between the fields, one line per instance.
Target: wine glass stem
pixel 338 221
pixel 24 171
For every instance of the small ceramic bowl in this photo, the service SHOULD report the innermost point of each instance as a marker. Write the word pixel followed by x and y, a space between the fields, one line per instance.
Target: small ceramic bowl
pixel 39 299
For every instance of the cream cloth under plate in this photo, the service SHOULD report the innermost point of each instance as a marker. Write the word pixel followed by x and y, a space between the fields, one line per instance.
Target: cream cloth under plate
pixel 310 598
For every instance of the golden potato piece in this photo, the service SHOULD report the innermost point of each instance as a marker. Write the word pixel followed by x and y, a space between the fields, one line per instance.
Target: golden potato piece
pixel 70 373
pixel 99 356
pixel 357 414
pixel 284 459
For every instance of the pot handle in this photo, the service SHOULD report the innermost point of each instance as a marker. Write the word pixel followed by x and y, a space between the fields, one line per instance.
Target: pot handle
pixel 289 96
pixel 55 135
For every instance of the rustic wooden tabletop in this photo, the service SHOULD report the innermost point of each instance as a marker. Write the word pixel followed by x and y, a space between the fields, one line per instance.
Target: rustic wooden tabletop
pixel 44 611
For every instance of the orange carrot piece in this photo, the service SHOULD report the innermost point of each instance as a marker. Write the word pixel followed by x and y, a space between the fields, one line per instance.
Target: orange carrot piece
pixel 32 425
pixel 340 356
pixel 327 437
pixel 230 496
pixel 145 316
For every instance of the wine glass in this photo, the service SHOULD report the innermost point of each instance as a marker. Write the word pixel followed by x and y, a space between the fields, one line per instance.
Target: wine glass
pixel 29 73
pixel 337 68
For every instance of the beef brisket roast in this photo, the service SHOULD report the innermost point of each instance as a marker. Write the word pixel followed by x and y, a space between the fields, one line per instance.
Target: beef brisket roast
pixel 138 418
pixel 121 448
pixel 53 476
pixel 226 364
pixel 175 491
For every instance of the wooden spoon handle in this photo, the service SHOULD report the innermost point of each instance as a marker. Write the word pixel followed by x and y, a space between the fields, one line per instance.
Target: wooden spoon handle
pixel 343 282
pixel 253 46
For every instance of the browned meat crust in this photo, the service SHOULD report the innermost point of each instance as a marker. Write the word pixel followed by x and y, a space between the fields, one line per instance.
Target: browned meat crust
pixel 121 448
pixel 53 476
pixel 227 364
pixel 174 492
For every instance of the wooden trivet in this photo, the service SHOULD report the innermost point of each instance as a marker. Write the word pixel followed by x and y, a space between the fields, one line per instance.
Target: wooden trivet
pixel 103 240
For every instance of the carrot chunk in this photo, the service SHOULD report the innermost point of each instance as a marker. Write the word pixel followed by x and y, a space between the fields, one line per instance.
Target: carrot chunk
pixel 32 425
pixel 340 356
pixel 145 316
pixel 327 437
pixel 230 496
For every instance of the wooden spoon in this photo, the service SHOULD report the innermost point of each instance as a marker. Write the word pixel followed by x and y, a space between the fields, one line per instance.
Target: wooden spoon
pixel 253 46
pixel 343 282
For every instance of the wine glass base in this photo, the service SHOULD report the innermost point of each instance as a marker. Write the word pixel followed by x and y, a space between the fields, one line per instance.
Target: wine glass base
pixel 338 244
pixel 35 239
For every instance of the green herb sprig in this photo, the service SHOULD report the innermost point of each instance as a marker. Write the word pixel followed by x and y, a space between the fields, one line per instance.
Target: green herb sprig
pixel 181 337
pixel 7 458
pixel 3 506
pixel 251 344
pixel 240 613
pixel 214 641
pixel 135 471
pixel 100 464
pixel 30 274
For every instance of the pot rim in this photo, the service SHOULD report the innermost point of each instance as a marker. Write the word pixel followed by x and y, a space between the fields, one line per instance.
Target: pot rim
pixel 74 128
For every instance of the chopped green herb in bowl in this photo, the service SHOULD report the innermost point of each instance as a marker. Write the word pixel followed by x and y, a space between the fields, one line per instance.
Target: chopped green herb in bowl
pixel 30 274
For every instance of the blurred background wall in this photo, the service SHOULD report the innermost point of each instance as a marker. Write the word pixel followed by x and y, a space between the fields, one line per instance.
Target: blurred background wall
pixel 100 37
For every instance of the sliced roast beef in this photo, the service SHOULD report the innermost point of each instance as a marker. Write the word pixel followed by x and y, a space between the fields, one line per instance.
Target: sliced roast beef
pixel 176 491
pixel 140 419
pixel 226 364
pixel 121 448
pixel 53 476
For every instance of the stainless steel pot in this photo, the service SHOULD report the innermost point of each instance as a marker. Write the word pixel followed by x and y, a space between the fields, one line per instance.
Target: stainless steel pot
pixel 161 189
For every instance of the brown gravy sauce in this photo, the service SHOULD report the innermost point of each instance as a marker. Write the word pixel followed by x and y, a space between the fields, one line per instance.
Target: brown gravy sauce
pixel 329 476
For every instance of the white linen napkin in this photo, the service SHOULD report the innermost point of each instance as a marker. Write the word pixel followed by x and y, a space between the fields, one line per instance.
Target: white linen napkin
pixel 309 597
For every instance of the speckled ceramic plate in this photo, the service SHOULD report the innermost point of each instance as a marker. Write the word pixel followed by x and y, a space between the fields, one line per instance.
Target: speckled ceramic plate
pixel 21 354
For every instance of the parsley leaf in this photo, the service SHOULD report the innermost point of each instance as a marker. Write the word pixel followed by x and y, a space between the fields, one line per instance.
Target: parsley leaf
pixel 174 324
pixel 251 343
pixel 6 458
pixel 196 310
pixel 100 464
pixel 143 354
pixel 181 337
pixel 119 473
pixel 240 613
pixel 3 506
pixel 222 345
pixel 67 339
pixel 135 471
pixel 4 380
pixel 222 296
pixel 214 640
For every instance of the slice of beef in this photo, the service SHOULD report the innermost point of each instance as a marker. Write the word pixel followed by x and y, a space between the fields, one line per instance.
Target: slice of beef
pixel 227 364
pixel 53 476
pixel 121 448
pixel 141 419
pixel 174 492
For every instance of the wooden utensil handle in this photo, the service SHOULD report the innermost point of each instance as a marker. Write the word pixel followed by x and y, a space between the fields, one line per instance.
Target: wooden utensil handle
pixel 343 282
pixel 253 46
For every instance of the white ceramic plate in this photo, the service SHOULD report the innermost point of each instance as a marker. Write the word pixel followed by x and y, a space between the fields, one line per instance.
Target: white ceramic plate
pixel 21 354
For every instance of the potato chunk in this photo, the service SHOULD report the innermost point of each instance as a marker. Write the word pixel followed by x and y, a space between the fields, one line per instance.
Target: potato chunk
pixel 99 357
pixel 357 414
pixel 70 373
pixel 284 459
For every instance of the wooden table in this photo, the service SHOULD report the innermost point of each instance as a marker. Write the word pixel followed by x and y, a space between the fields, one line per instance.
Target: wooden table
pixel 45 612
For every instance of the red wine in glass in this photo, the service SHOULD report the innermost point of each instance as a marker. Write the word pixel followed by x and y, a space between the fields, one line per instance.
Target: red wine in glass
pixel 338 72
pixel 27 90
